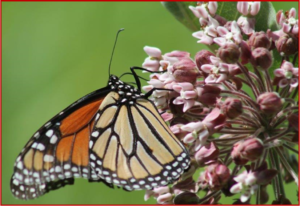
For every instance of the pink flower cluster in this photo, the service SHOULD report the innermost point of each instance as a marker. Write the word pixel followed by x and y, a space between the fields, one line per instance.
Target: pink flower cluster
pixel 231 108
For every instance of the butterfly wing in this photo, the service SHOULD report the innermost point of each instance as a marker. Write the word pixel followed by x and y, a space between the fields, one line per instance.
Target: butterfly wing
pixel 131 146
pixel 113 135
pixel 58 151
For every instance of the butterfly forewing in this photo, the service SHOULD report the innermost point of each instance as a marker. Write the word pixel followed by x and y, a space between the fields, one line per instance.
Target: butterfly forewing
pixel 132 147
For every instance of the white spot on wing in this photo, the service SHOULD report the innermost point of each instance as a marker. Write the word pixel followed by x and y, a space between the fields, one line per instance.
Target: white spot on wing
pixel 40 147
pixel 53 139
pixel 49 133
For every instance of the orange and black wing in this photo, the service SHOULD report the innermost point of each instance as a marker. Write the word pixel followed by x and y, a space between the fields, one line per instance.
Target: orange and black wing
pixel 114 134
pixel 58 151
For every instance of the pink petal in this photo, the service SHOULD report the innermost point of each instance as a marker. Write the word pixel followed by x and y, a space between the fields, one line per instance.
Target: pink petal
pixel 212 7
pixel 244 197
pixel 178 100
pixel 242 7
pixel 195 11
pixel 286 28
pixel 151 64
pixel 279 72
pixel 222 78
pixel 250 179
pixel 152 51
pixel 190 127
pixel 147 88
pixel 255 7
pixel 235 28
pixel 211 31
pixel 287 66
pixel 283 83
pixel 190 94
pixel 237 188
pixel 156 83
pixel 214 114
pixel 215 60
pixel 167 116
pixel 210 79
pixel 198 34
pixel 188 104
pixel 213 22
pixel 186 86
pixel 189 138
pixel 206 40
pixel 222 31
pixel 203 135
pixel 202 11
pixel 238 37
pixel 294 82
pixel 295 71
pixel 175 129
pixel 177 88
pixel 281 19
pixel 165 198
pixel 292 13
pixel 207 68
pixel 220 41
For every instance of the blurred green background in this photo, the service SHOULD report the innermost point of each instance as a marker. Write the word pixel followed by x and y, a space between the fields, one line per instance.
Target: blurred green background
pixel 56 52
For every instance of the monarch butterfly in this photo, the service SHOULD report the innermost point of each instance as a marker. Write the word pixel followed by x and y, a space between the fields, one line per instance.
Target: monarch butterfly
pixel 114 135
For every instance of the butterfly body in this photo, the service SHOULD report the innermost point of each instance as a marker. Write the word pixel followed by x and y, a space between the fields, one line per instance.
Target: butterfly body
pixel 114 134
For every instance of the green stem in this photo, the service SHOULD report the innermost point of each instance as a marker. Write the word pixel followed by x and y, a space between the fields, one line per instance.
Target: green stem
pixel 287 165
pixel 279 175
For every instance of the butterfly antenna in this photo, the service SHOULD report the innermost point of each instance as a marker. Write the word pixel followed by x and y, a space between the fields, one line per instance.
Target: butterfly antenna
pixel 112 54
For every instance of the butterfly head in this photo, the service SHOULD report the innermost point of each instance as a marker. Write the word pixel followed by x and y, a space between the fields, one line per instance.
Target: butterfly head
pixel 126 91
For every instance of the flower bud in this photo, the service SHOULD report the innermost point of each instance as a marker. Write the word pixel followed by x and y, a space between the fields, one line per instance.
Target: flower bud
pixel 229 53
pixel 264 196
pixel 262 58
pixel 259 39
pixel 264 177
pixel 208 94
pixel 226 188
pixel 185 70
pixel 294 121
pixel 246 52
pixel 203 57
pixel 282 200
pixel 287 45
pixel 186 198
pixel 270 102
pixel 217 175
pixel 249 149
pixel 206 154
pixel 232 108
pixel 187 184
pixel 295 137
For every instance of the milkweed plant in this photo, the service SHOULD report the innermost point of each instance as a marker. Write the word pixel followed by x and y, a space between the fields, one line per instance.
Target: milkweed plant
pixel 234 106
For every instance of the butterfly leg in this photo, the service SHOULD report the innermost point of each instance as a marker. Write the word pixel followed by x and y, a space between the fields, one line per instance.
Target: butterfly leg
pixel 136 77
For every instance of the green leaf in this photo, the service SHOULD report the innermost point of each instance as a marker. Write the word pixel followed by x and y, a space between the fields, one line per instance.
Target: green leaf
pixel 182 13
pixel 265 19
